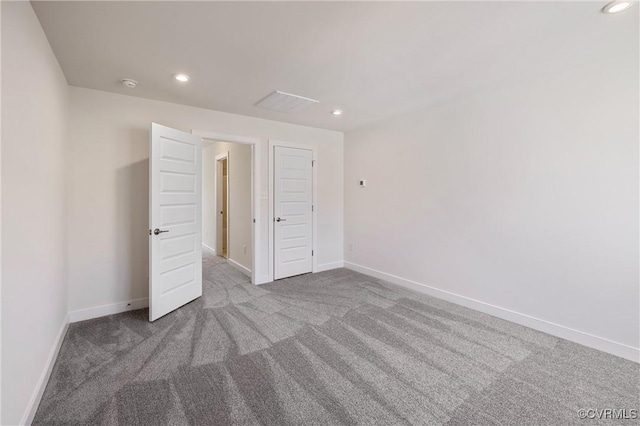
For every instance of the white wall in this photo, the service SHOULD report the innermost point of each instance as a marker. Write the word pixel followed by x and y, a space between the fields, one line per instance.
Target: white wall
pixel 108 201
pixel 240 220
pixel 34 281
pixel 525 198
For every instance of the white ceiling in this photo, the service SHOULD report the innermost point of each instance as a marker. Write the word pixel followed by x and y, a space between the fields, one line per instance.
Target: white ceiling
pixel 371 59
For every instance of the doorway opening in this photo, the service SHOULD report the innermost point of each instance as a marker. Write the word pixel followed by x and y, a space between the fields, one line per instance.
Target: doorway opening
pixel 222 205
pixel 227 203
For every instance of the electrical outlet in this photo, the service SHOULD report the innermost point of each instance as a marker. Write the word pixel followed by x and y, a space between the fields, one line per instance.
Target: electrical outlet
pixel 244 249
pixel 350 246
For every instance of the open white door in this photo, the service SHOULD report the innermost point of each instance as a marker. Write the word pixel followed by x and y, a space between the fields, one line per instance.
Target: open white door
pixel 175 219
pixel 293 214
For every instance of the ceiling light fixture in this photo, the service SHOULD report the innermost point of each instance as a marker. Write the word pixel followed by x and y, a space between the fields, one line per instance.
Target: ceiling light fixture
pixel 617 6
pixel 336 112
pixel 181 77
pixel 129 83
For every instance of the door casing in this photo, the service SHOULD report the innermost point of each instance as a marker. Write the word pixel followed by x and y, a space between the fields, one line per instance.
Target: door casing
pixel 258 275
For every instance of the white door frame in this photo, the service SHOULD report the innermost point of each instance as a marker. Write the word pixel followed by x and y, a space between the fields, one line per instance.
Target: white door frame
pixel 272 144
pixel 218 185
pixel 255 184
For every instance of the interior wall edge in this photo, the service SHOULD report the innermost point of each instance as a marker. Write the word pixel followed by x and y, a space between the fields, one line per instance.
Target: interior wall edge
pixel 110 309
pixel 557 330
pixel 208 249
pixel 36 397
pixel 239 267
pixel 328 266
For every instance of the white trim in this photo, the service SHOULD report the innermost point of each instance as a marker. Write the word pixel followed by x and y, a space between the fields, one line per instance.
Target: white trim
pixel 104 310
pixel 314 226
pixel 264 280
pixel 255 189
pixel 225 137
pixel 329 266
pixel 34 402
pixel 580 337
pixel 208 249
pixel 239 267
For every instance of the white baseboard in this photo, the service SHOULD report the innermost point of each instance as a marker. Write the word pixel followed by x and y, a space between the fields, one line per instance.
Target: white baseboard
pixel 34 402
pixel 329 266
pixel 208 249
pixel 101 311
pixel 580 337
pixel 239 267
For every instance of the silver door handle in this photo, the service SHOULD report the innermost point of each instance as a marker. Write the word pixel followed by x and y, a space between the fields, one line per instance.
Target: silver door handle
pixel 157 231
pixel 281 220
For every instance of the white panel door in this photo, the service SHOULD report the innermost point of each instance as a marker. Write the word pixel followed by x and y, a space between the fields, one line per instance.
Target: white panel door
pixel 293 217
pixel 175 219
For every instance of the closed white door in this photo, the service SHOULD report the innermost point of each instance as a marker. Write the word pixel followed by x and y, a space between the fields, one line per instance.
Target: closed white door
pixel 175 219
pixel 293 214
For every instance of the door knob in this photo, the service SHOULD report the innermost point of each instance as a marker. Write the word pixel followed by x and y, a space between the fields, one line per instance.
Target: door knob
pixel 281 220
pixel 157 231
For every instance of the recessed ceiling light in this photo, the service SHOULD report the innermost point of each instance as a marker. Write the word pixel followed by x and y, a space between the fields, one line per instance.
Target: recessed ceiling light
pixel 336 112
pixel 617 6
pixel 129 83
pixel 181 77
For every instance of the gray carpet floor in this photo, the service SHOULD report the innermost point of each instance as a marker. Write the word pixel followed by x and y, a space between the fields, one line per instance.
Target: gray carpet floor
pixel 331 348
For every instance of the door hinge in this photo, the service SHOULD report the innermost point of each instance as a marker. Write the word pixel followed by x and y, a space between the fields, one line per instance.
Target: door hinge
pixel 313 163
pixel 311 252
pixel 311 207
pixel 254 221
